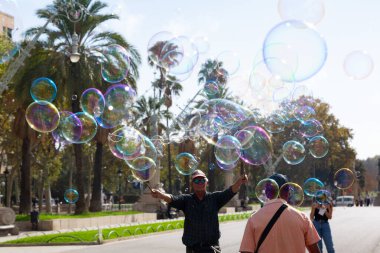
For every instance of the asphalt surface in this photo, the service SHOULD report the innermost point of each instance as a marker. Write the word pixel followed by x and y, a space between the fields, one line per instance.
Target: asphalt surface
pixel 355 230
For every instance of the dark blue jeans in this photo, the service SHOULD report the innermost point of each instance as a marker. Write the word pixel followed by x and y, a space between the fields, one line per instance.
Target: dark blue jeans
pixel 324 232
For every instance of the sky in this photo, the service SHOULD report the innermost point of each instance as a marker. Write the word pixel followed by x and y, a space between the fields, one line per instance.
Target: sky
pixel 241 26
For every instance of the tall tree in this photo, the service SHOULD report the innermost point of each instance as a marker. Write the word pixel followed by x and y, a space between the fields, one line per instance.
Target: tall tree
pixel 74 78
pixel 360 172
pixel 164 55
pixel 145 109
pixel 212 70
pixel 340 154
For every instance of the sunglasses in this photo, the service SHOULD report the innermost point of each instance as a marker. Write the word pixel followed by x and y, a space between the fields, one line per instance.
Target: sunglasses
pixel 199 180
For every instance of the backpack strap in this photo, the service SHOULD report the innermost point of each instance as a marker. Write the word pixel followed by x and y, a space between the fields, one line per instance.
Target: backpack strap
pixel 270 225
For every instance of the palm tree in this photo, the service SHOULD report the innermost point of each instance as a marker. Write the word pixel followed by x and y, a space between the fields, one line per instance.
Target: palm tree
pixel 20 127
pixel 165 84
pixel 145 110
pixel 212 70
pixel 175 88
pixel 74 78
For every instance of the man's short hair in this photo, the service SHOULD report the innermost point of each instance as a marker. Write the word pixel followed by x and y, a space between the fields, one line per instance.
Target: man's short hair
pixel 280 179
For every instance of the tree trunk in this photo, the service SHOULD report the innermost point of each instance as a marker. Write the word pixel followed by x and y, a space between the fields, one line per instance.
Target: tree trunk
pixel 26 179
pixel 186 185
pixel 17 189
pixel 169 155
pixel 96 196
pixel 11 179
pixel 243 187
pixel 40 192
pixel 80 206
pixel 48 195
pixel 211 172
pixel 70 186
pixel 88 185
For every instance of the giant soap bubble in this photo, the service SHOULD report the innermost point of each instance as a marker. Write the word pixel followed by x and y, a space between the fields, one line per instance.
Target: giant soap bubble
pixel 115 64
pixel 292 193
pixel 318 146
pixel 126 143
pixel 229 61
pixel 344 178
pixel 186 60
pixel 256 145
pixel 299 45
pixel 71 196
pixel 311 11
pixel 86 126
pixel 185 163
pixel 227 149
pixel 358 64
pixel 312 185
pixel 266 189
pixel 57 133
pixel 323 197
pixel 143 157
pixel 220 115
pixel 225 167
pixel 165 50
pixel 43 89
pixel 293 152
pixel 92 102
pixel 42 116
pixel 144 175
pixel 310 128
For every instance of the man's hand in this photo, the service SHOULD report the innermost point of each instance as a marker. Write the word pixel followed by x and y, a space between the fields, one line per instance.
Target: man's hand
pixel 157 194
pixel 242 180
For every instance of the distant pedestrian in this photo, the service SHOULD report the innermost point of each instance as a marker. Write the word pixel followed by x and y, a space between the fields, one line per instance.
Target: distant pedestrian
pixel 367 199
pixel 34 202
pixel 201 229
pixel 292 232
pixel 34 218
pixel 320 215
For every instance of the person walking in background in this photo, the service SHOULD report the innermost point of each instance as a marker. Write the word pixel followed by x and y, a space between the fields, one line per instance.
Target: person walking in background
pixel 201 228
pixel 320 215
pixel 367 199
pixel 292 231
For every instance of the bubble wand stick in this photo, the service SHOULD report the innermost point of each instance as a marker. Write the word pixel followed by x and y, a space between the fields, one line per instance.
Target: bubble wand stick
pixel 147 184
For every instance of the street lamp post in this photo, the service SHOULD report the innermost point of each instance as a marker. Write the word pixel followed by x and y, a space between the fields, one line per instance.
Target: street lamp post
pixel 74 56
pixel 2 186
pixel 119 173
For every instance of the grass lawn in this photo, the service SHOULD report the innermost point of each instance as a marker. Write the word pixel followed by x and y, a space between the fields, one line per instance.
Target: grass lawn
pixel 46 216
pixel 113 233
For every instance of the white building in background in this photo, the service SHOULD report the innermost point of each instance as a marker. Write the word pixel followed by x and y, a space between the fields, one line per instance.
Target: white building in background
pixel 6 24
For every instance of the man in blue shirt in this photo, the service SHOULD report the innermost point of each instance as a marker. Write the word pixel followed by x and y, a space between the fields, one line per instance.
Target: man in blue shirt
pixel 201 230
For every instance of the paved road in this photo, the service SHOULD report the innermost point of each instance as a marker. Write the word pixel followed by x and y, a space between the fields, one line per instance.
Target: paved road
pixel 355 230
